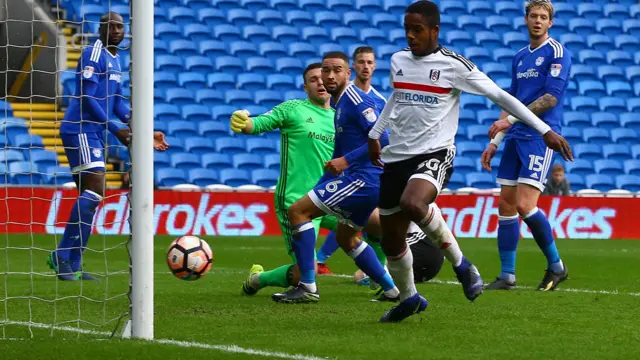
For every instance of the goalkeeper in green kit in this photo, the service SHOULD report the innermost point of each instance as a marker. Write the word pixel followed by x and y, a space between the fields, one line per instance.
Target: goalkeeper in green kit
pixel 307 137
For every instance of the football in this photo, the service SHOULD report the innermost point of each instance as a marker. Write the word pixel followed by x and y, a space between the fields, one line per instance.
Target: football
pixel 189 258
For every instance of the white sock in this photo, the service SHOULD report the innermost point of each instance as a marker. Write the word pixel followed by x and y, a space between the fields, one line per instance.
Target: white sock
pixel 311 287
pixel 401 269
pixel 434 226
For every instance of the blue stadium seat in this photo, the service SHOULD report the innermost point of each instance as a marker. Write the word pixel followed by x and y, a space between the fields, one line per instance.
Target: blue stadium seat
pixel 609 27
pixel 627 43
pixel 161 159
pixel 248 161
pixel 619 58
pixel 343 35
pixel 604 120
pixel 256 33
pixel 285 34
pixel 260 65
pixel 298 18
pixel 461 134
pixel 581 26
pixel 212 49
pixel 481 9
pixel 519 25
pixel 340 6
pixel 211 17
pixel 472 102
pixel 384 52
pixel 230 145
pixel 268 98
pixel 312 6
pixel 225 5
pixel 495 70
pixel 470 23
pixel 631 27
pixel 166 112
pixel 590 11
pixel 194 112
pixel 260 146
pixel 515 40
pixel 385 21
pixel 632 74
pixel 269 17
pixel 599 42
pixel 470 149
pixel 199 145
pixel 630 120
pixel 585 104
pixel 197 4
pixel 596 136
pixel 616 152
pixel 633 105
pixel 608 167
pixel 459 39
pixel 624 136
pixel 272 161
pixel 477 54
pixel 197 32
pixel 216 162
pixel 221 81
pixel 238 97
pixel 327 19
pixel 610 73
pixel 504 56
pixel 315 35
pixel 3 142
pixel 447 23
pixel 178 96
pixel 480 180
pixel 254 5
pixel 565 10
pixel 577 119
pixel 634 11
pixel 240 17
pixel 302 49
pixel 576 182
pixel 600 182
pixel 477 132
pixel 234 177
pixel 58 175
pixel 611 104
pixel 251 82
pixel 398 37
pixel 181 16
pixel 25 173
pixel 170 177
pixel 160 15
pixel 176 145
pixel 210 97
pixel 212 129
pixel 488 40
pixel 160 47
pixel 457 181
pixel 487 117
pixel 631 167
pixel 229 65
pixel 588 152
pixel 373 37
pixel 498 24
pixel 591 88
pixel 182 128
pixel 395 7
pixel 284 5
pixel 467 117
pixel 243 49
pixel 26 141
pixel 289 65
pixel 573 42
pixel 168 63
pixel 192 81
pixel 164 80
pixel 635 151
pixel 185 161
pixel 464 164
pixel 294 94
pixel 264 177
pixel 509 9
pixel 453 8
pixel 369 6
pixel 579 167
pixel 280 82
pixel 628 182
pixel 227 33
pixel 504 83
pixel 255 110
pixel 272 50
pixel 202 177
pixel 619 89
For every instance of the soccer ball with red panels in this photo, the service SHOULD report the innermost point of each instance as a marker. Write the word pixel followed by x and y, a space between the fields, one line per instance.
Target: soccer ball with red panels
pixel 189 258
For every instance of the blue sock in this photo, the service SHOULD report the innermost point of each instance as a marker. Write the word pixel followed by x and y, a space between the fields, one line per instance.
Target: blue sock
pixel 508 237
pixel 87 203
pixel 366 259
pixel 542 233
pixel 75 231
pixel 327 249
pixel 304 242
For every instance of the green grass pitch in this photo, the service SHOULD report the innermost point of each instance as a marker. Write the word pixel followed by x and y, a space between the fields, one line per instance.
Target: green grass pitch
pixel 594 315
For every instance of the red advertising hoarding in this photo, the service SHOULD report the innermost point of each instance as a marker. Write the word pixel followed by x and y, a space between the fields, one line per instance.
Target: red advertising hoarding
pixel 41 210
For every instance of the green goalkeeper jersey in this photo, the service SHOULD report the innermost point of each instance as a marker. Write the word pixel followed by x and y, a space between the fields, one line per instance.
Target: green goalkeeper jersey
pixel 307 137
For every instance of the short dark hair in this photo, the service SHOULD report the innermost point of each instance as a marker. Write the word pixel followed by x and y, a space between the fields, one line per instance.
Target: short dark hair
pixel 309 68
pixel 362 50
pixel 428 9
pixel 336 55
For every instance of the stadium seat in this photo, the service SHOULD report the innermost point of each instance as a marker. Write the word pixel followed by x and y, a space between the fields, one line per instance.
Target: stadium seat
pixel 25 173
pixel 616 152
pixel 609 27
pixel 619 89
pixel 596 136
pixel 509 9
pixel 461 134
pixel 272 50
pixel 216 162
pixel 457 181
pixel 504 83
pixel 600 42
pixel 590 88
pixel 515 40
pixel 397 37
pixel 289 65
pixel 610 73
pixel 260 65
pixel 256 34
pixel 280 82
pixel 238 97
pixel 269 18
pixel 248 161
pixel 384 21
pixel 631 27
pixel 199 145
pixel 590 11
pixel 312 6
pixel 294 94
pixel 477 132
pixel 167 31
pixel 302 49
pixel 283 5
pixel 264 177
pixel 196 113
pixel 243 49
pixel 464 164
pixel 504 56
pixel 212 129
pixel 487 117
pixel 631 167
pixel 519 25
pixel 234 177
pixel 624 136
pixel 481 9
pixel 627 43
pixel 185 161
pixel 221 81
pixel 472 102
pixel 168 177
pixel 254 5
pixel 168 63
pixel 327 19
pixel 604 120
pixel 564 10
pixel 459 39
pixel 230 145
pixel 355 20
pixel 160 47
pixel 340 6
pixel 634 11
pixel 628 182
pixel 196 4
pixel 633 105
pixel 477 54
pixel 480 180
pixel 225 5
pixel 268 98
pixel 591 57
pixel 202 177
pixel 160 15
pixel 616 11
pixel 240 17
pixel 573 42
pixel 343 35
pixel 395 7
pixel 630 120
pixel 588 152
pixel 166 112
pixel 608 167
pixel 470 149
pixel 498 24
pixel 211 17
pixel 251 82
pixel 488 40
pixel 600 182
pixel 192 81
pixel 212 49
pixel 447 24
pixel 453 8
pixel 635 151
pixel 260 146
pixel 315 35
pixel 182 128
pixel 26 142
pixel 58 175
pixel 611 104
pixel 197 32
pixel 494 70
pixel 255 110
pixel 619 58
pixel 229 64
pixel 373 37
pixel 579 167
pixel 577 119
pixel 177 145
pixel 384 52
pixel 285 34
pixel 298 18
pixel 584 104
pixel 164 80
pixel 179 96
pixel 210 97
pixel 470 23
pixel 161 159
pixel 227 33
pixel 272 161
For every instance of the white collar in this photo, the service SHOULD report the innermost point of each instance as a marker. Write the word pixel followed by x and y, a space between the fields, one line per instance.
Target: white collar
pixel 541 45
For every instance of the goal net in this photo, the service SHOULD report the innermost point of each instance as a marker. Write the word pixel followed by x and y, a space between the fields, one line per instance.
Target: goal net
pixel 42 44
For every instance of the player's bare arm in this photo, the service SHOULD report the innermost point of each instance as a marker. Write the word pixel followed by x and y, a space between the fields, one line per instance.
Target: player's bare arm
pixel 336 166
pixel 538 107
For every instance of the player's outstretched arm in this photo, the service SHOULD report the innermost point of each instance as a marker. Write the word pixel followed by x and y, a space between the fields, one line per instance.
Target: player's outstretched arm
pixel 241 122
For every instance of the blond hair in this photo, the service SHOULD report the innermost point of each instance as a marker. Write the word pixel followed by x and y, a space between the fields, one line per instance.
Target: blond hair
pixel 544 4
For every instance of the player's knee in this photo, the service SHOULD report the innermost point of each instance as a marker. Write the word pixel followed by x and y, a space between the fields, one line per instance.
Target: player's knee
pixel 524 206
pixel 506 208
pixel 411 206
pixel 93 182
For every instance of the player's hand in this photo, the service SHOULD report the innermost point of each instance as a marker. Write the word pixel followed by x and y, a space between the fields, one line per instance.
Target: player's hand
pixel 487 156
pixel 239 120
pixel 124 135
pixel 559 144
pixel 336 166
pixel 159 142
pixel 497 126
pixel 375 152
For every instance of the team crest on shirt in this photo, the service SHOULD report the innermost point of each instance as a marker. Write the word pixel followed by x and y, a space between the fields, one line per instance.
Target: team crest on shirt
pixel 555 70
pixel 369 114
pixel 97 153
pixel 539 60
pixel 434 75
pixel 88 72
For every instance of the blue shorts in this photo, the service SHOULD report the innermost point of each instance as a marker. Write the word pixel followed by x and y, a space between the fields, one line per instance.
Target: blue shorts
pixel 525 162
pixel 347 197
pixel 84 151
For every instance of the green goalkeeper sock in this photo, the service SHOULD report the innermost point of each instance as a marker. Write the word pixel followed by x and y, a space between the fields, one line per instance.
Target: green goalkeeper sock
pixel 375 243
pixel 280 277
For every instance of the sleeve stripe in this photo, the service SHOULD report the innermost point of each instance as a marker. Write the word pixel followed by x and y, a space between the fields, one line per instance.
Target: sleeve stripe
pixel 97 50
pixel 468 64
pixel 558 50
pixel 353 95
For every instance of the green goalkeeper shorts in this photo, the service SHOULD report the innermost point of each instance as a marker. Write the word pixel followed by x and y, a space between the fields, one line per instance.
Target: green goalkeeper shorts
pixel 325 222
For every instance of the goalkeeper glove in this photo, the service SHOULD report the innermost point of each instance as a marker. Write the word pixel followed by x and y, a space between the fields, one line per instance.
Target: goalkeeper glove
pixel 239 120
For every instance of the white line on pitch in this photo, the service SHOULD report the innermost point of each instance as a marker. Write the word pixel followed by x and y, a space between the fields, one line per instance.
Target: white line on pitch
pixel 188 344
